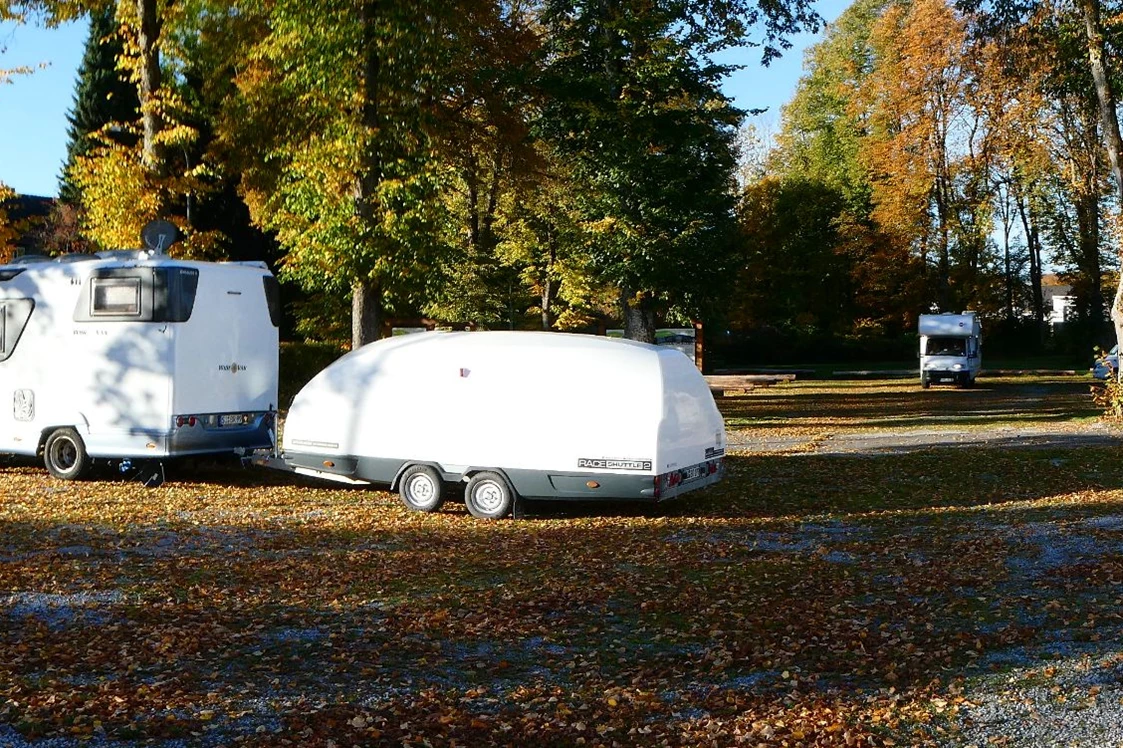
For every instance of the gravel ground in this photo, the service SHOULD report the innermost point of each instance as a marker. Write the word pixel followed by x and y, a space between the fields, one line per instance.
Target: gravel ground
pixel 1063 694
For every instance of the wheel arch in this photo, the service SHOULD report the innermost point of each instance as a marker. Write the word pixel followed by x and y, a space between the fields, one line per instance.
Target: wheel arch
pixel 469 473
pixel 45 433
pixel 396 483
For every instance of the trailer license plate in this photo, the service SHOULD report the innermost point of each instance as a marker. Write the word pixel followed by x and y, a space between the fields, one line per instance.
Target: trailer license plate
pixel 230 420
pixel 692 473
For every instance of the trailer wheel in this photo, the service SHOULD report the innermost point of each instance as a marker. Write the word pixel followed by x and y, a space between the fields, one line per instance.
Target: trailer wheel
pixel 488 496
pixel 421 489
pixel 65 454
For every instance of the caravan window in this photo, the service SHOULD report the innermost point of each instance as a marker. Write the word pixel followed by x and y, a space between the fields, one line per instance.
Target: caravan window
pixel 175 290
pixel 273 299
pixel 14 314
pixel 115 297
pixel 164 294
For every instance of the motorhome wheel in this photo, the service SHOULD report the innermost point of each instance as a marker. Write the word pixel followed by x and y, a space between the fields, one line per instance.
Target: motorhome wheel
pixel 65 454
pixel 421 489
pixel 924 383
pixel 487 496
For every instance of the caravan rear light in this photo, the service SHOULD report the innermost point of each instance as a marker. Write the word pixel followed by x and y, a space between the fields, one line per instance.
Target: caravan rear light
pixel 714 466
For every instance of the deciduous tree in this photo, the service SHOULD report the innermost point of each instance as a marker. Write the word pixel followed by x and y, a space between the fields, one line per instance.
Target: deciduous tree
pixel 634 105
pixel 348 176
pixel 8 233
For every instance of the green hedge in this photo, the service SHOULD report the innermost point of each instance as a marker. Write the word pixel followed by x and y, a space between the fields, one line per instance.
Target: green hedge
pixel 302 361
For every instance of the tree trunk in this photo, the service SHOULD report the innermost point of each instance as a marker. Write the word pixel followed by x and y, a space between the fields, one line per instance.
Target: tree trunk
pixel 1086 286
pixel 472 182
pixel 1007 275
pixel 1033 245
pixel 943 258
pixel 148 43
pixel 366 313
pixel 1109 116
pixel 639 318
pixel 366 294
pixel 548 285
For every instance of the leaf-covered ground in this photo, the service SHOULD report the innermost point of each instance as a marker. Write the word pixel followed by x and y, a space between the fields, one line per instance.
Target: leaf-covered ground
pixel 866 598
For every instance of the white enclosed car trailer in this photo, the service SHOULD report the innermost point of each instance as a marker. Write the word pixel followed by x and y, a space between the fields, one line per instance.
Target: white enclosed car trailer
pixel 134 355
pixel 506 414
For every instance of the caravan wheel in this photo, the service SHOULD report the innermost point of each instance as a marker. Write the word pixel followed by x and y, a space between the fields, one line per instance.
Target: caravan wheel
pixel 65 455
pixel 421 489
pixel 488 496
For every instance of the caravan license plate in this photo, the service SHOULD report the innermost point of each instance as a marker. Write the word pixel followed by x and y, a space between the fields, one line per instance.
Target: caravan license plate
pixel 692 473
pixel 231 420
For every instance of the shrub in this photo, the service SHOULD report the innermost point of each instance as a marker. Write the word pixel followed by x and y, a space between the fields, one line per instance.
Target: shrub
pixel 302 361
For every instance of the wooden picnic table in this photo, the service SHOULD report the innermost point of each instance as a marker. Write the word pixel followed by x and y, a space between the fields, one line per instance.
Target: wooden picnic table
pixel 723 383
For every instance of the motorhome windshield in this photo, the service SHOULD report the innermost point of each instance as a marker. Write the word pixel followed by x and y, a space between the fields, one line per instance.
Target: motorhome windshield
pixel 941 346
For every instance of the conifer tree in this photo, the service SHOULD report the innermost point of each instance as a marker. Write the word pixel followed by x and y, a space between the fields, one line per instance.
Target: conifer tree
pixel 103 95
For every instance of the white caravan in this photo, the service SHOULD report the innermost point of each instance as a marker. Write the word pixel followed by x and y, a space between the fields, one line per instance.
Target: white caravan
pixel 537 415
pixel 127 355
pixel 950 348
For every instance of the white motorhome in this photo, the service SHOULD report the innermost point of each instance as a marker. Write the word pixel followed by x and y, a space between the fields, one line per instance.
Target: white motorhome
pixel 537 415
pixel 127 355
pixel 950 348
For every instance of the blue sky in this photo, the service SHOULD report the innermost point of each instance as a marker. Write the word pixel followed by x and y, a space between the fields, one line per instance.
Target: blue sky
pixel 33 107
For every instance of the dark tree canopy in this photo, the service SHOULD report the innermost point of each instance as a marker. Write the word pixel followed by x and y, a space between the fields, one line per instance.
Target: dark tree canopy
pixel 102 96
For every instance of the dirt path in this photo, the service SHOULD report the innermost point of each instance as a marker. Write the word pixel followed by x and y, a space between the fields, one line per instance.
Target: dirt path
pixel 911 440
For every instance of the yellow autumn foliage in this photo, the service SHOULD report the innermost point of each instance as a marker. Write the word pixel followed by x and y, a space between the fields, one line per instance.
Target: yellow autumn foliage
pixel 119 195
pixel 7 227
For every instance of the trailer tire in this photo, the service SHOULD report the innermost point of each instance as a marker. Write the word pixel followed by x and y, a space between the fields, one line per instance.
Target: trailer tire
pixel 488 496
pixel 421 489
pixel 65 455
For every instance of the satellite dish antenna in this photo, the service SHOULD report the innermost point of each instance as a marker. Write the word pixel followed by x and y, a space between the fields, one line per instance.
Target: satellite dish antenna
pixel 159 235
